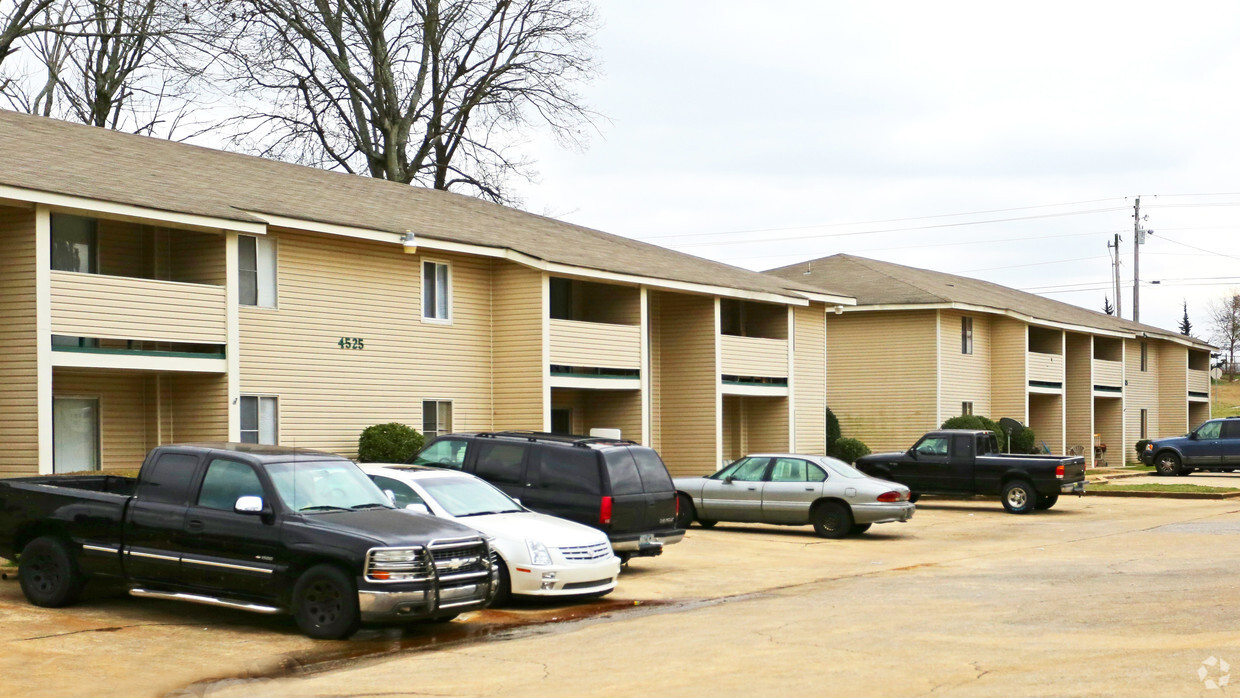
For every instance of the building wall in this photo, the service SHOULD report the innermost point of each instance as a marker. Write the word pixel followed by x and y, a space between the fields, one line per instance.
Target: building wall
pixel 610 409
pixel 1079 391
pixel 735 436
pixel 766 424
pixel 19 426
pixel 689 378
pixel 1198 414
pixel 966 377
pixel 882 376
pixel 1141 392
pixel 1046 420
pixel 197 405
pixel 1172 388
pixel 1009 384
pixel 809 379
pixel 519 359
pixel 331 288
pixel 654 347
pixel 122 412
pixel 1109 425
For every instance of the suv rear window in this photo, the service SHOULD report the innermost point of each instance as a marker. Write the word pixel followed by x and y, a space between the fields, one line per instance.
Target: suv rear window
pixel 622 470
pixel 566 470
pixel 653 472
pixel 500 462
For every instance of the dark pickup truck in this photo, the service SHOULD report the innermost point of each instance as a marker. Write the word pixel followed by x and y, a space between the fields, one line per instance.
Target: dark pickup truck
pixel 966 462
pixel 257 528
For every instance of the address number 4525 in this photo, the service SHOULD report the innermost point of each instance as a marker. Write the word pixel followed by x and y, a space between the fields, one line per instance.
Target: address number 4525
pixel 351 343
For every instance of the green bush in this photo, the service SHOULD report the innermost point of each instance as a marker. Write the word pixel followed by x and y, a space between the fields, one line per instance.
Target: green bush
pixel 388 443
pixel 1141 446
pixel 833 428
pixel 1022 442
pixel 848 450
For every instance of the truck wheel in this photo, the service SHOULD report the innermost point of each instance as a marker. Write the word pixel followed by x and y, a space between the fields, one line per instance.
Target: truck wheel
pixel 1167 463
pixel 503 591
pixel 832 520
pixel 1019 497
pixel 325 603
pixel 858 529
pixel 707 523
pixel 685 513
pixel 1046 501
pixel 48 573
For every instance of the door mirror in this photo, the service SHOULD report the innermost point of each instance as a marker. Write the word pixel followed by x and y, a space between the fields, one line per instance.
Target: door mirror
pixel 727 480
pixel 391 496
pixel 912 453
pixel 1192 435
pixel 418 508
pixel 248 504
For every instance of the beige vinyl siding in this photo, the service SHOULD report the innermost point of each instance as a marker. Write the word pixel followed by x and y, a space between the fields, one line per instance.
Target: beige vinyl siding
pixel 122 412
pixel 966 377
pixel 19 426
pixel 1172 388
pixel 518 355
pixel 595 344
pixel 1079 390
pixel 753 356
pixel 148 252
pixel 1046 420
pixel 654 346
pixel 607 409
pixel 331 288
pixel 766 422
pixel 1141 392
pixel 198 405
pixel 198 258
pixel 1008 386
pixel 607 303
pixel 882 376
pixel 1198 414
pixel 1109 426
pixel 735 437
pixel 125 249
pixel 114 307
pixel 689 383
pixel 809 379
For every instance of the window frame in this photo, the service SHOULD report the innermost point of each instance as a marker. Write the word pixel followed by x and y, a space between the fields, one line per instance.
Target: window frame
pixel 966 335
pixel 437 431
pixel 274 272
pixel 98 445
pixel 966 408
pixel 433 319
pixel 275 401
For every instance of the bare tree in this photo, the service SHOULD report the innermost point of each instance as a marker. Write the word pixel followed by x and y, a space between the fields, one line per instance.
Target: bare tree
pixel 428 91
pixel 1225 320
pixel 20 18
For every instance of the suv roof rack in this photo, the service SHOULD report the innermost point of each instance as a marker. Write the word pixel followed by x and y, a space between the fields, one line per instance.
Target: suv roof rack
pixel 548 437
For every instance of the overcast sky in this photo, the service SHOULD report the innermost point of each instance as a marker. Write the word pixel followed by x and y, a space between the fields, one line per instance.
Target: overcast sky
pixel 801 124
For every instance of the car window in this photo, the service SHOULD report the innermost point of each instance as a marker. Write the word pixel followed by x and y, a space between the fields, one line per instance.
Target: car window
pixel 565 470
pixel 227 481
pixel 622 470
pixel 789 470
pixel 651 469
pixel 961 445
pixel 1231 429
pixel 1209 430
pixel 168 479
pixel 444 453
pixel 839 467
pixel 461 496
pixel 402 495
pixel 932 446
pixel 500 462
pixel 325 485
pixel 745 470
pixel 815 474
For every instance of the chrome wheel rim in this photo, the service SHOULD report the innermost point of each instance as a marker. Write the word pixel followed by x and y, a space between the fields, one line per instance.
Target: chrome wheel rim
pixel 1017 497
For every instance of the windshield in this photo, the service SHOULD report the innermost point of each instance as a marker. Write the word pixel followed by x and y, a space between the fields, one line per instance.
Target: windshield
pixel 461 496
pixel 309 486
pixel 841 468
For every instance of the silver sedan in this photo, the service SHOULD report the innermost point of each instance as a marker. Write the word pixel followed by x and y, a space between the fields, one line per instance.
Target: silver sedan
pixel 793 490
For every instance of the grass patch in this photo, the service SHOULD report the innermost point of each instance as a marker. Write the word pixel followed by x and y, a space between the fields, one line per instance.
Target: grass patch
pixel 1159 487
pixel 1225 399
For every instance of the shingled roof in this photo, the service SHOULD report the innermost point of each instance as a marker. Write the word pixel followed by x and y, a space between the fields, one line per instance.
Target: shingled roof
pixel 873 282
pixel 53 156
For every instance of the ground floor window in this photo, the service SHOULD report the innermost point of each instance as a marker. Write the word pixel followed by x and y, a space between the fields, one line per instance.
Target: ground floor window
pixel 436 417
pixel 75 434
pixel 966 409
pixel 260 419
pixel 1145 422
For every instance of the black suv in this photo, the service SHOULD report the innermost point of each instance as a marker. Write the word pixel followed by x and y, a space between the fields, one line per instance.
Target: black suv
pixel 618 487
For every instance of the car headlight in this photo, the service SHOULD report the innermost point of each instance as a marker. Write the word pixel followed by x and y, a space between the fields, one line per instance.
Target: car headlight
pixel 539 555
pixel 1149 446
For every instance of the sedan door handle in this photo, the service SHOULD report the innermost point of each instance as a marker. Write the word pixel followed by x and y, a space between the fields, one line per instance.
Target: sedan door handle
pixel 195 525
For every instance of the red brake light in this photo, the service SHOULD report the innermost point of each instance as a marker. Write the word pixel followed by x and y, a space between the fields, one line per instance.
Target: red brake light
pixel 892 496
pixel 1058 471
pixel 604 511
pixel 678 506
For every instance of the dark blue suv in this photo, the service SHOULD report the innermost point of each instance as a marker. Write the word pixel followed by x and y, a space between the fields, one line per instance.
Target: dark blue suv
pixel 1214 445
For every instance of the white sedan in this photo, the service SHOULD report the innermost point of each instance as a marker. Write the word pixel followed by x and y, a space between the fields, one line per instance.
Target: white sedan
pixel 542 555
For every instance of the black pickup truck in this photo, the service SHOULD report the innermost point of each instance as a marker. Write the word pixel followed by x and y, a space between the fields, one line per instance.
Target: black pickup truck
pixel 966 462
pixel 258 528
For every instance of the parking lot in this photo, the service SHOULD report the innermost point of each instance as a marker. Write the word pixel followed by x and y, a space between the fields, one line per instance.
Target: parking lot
pixel 1097 596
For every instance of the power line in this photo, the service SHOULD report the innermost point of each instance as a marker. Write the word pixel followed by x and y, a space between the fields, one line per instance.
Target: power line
pixel 1032 264
pixel 987 241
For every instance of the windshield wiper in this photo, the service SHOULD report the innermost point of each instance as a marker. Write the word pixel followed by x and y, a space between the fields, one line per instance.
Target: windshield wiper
pixel 488 513
pixel 323 507
pixel 371 505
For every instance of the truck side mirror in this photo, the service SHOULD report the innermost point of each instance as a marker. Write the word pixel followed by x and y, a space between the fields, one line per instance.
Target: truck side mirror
pixel 912 453
pixel 391 496
pixel 249 504
pixel 1192 435
pixel 418 508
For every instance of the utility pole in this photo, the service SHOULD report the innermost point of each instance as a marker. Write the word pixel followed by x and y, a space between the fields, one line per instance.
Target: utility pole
pixel 1114 247
pixel 1136 261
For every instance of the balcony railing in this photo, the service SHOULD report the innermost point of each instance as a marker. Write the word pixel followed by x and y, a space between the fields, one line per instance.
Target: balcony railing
pixel 1198 381
pixel 595 344
pixel 1108 373
pixel 1047 368
pixel 753 356
pixel 120 307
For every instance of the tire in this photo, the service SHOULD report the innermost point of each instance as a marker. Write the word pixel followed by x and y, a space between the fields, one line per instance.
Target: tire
pixel 48 573
pixel 914 497
pixel 685 512
pixel 1046 501
pixel 1019 497
pixel 1167 463
pixel 858 529
pixel 832 520
pixel 503 594
pixel 325 603
pixel 706 523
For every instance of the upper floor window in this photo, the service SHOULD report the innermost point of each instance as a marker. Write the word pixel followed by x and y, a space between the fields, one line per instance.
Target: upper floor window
pixel 966 408
pixel 256 265
pixel 561 298
pixel 966 335
pixel 75 244
pixel 1145 357
pixel 436 291
pixel 260 419
pixel 436 417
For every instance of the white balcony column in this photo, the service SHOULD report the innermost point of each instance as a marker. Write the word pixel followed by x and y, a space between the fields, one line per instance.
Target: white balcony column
pixel 232 347
pixel 43 332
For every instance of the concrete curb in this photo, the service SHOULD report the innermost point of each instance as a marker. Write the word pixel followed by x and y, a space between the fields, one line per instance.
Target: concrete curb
pixel 1163 495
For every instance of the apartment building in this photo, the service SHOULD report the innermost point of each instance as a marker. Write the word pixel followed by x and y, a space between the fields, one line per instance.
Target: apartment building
pixel 154 292
pixel 921 346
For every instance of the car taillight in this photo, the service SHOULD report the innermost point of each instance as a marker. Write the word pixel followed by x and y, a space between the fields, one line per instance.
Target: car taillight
pixel 604 511
pixel 1059 471
pixel 678 506
pixel 892 496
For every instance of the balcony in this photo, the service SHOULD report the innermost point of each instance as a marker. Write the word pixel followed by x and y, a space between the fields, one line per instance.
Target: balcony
pixel 1045 369
pixel 127 308
pixel 1198 385
pixel 595 344
pixel 1109 374
pixel 753 356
